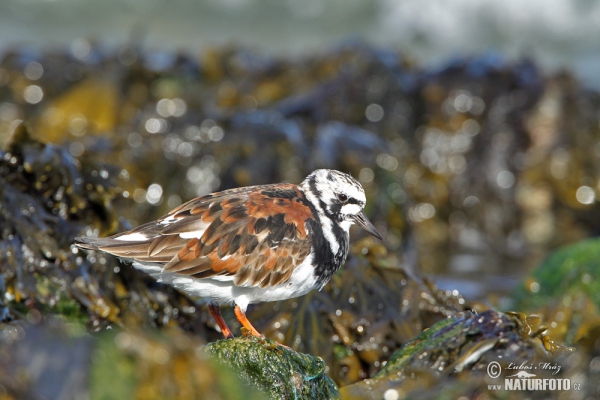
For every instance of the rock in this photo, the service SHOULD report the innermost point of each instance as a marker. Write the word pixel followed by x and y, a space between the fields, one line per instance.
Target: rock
pixel 280 372
pixel 455 354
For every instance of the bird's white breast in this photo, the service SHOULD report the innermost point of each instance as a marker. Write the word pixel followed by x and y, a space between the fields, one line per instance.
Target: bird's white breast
pixel 221 289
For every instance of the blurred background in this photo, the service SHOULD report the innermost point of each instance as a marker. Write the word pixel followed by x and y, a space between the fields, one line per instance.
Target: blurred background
pixel 557 33
pixel 474 127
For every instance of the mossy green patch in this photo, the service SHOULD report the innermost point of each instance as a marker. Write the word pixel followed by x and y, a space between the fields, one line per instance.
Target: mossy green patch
pixel 277 371
pixel 570 270
pixel 433 337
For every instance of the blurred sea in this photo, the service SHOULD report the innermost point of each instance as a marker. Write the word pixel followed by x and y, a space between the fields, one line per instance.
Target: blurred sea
pixel 555 33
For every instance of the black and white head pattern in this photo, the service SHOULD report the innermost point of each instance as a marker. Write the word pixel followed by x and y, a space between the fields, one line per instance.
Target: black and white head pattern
pixel 336 196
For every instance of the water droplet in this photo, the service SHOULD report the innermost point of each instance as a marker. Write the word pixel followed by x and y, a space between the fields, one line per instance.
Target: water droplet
pixel 34 70
pixel 33 94
pixel 374 112
pixel 154 193
pixel 585 195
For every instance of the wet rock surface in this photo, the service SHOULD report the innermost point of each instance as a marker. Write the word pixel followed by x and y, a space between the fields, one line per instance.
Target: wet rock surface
pixel 47 197
pixel 456 353
pixel 275 370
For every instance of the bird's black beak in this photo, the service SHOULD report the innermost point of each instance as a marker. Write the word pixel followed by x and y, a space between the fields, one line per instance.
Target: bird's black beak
pixel 362 220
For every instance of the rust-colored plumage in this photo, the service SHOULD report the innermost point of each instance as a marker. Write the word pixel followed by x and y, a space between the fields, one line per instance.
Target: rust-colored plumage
pixel 239 232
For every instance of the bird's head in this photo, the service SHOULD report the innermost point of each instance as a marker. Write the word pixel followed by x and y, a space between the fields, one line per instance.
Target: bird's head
pixel 339 197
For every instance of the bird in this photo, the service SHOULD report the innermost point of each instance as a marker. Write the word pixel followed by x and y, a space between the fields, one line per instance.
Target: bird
pixel 248 245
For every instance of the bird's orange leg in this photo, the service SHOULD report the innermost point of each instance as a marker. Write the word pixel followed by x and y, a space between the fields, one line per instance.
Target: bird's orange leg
pixel 215 311
pixel 241 316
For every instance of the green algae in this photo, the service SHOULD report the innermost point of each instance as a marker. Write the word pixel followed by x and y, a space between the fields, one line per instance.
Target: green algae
pixel 432 337
pixel 277 371
pixel 565 290
pixel 570 270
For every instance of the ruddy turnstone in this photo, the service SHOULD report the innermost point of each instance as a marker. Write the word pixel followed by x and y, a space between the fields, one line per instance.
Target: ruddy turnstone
pixel 248 245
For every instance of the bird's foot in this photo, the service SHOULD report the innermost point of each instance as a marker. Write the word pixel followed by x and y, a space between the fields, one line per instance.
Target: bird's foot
pixel 250 333
pixel 268 344
pixel 246 332
pixel 273 345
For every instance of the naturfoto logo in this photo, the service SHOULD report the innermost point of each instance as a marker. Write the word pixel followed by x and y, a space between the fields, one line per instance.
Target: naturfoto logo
pixel 524 379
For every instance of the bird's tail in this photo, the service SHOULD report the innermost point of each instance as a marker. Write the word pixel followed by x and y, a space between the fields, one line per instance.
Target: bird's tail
pixel 87 243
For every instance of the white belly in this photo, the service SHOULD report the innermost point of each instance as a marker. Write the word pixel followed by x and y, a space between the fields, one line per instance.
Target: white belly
pixel 221 289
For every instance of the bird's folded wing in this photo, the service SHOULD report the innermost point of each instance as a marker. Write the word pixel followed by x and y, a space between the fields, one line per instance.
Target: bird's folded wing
pixel 256 235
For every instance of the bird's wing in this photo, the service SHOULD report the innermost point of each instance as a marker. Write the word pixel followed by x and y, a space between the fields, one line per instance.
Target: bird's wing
pixel 256 235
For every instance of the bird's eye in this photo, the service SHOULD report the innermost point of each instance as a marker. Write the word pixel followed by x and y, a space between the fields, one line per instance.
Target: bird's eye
pixel 342 197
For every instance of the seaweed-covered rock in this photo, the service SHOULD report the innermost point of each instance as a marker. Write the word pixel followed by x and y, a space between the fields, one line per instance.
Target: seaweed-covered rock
pixel 565 288
pixel 451 358
pixel 47 197
pixel 279 372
